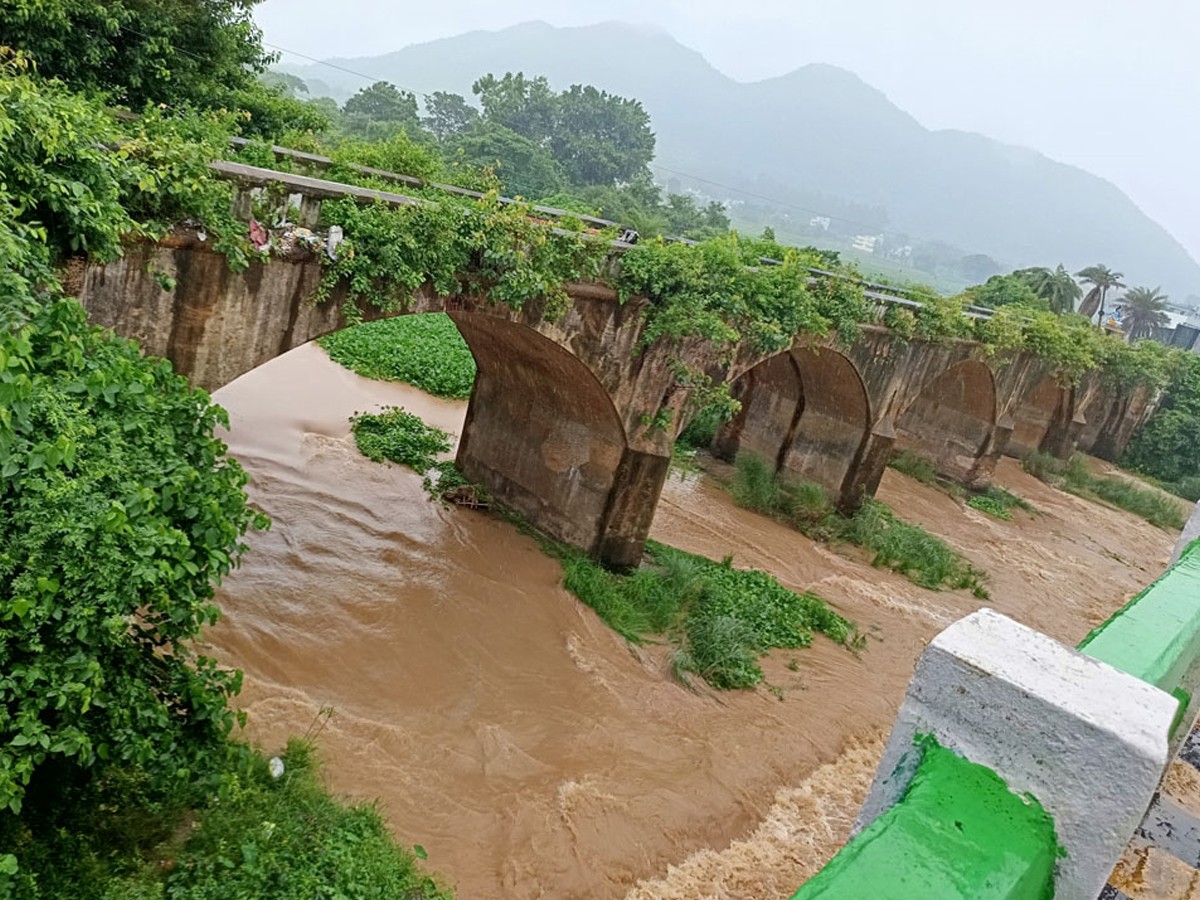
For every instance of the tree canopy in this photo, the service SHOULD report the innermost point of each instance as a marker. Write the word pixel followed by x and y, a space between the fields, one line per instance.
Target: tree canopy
pixel 1142 310
pixel 596 137
pixel 202 52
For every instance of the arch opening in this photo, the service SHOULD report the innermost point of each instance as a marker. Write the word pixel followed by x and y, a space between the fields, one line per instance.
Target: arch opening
pixel 1040 411
pixel 951 420
pixel 807 413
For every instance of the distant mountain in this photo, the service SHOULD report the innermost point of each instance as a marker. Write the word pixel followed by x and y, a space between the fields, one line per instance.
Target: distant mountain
pixel 818 131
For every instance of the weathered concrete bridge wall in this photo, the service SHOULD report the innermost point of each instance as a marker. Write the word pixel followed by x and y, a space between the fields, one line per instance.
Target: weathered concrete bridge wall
pixel 836 415
pixel 556 426
pixel 555 423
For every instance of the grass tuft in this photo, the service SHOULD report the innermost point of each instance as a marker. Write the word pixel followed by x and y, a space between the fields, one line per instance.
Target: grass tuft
pixel 914 466
pixel 1156 507
pixel 898 545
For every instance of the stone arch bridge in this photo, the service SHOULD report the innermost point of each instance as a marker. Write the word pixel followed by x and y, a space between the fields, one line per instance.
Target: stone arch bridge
pixel 556 424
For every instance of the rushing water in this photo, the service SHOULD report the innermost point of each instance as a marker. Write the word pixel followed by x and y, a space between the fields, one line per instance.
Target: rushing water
pixel 528 748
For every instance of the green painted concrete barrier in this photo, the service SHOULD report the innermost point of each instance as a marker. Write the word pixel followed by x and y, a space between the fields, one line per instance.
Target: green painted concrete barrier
pixel 958 832
pixel 1156 635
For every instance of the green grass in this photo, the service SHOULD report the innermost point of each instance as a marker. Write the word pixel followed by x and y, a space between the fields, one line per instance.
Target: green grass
pixel 914 466
pixel 1155 506
pixel 396 435
pixel 699 433
pixel 425 351
pixel 721 619
pixel 260 837
pixel 895 544
pixel 996 501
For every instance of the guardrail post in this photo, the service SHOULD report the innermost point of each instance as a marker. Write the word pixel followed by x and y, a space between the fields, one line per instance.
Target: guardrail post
pixel 1089 742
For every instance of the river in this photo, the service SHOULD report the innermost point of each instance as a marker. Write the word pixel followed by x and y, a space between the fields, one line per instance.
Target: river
pixel 529 749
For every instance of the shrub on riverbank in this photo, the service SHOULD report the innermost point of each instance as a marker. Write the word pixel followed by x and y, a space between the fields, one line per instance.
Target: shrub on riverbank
pixel 721 618
pixel 425 351
pixel 898 545
pixel 1155 506
pixel 272 838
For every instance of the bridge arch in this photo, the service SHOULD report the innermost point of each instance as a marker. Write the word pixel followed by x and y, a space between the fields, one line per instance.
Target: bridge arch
pixel 541 431
pixel 548 429
pixel 952 420
pixel 807 413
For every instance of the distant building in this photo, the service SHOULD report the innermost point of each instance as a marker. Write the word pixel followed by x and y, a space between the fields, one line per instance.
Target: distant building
pixel 865 242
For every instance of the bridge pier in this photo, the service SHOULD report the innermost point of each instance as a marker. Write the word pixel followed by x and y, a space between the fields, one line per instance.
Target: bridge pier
pixel 543 436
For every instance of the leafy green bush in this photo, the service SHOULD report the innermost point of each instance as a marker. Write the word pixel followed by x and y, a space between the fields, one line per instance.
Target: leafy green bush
pixel 1187 487
pixel 425 351
pixel 289 838
pixel 723 618
pixel 700 432
pixel 119 511
pixel 399 436
pixel 260 837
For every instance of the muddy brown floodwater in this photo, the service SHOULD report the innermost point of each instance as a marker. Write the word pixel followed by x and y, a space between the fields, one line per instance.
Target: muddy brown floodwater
pixel 528 748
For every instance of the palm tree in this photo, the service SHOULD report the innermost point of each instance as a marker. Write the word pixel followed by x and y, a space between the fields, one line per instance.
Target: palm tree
pixel 1143 310
pixel 1102 278
pixel 1057 288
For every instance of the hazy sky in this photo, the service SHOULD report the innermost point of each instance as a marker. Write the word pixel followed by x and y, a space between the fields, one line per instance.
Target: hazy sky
pixel 1112 86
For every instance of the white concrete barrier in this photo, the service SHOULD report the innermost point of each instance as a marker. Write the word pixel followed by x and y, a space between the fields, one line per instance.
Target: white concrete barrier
pixel 1088 741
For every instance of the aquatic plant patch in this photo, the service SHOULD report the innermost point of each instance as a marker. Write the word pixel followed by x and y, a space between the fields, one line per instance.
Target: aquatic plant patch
pixel 397 435
pixel 425 351
pixel 721 619
pixel 996 501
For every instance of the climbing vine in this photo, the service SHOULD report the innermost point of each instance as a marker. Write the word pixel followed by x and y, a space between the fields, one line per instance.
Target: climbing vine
pixel 482 248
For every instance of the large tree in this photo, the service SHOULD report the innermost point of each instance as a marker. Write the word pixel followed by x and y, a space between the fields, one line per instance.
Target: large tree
pixel 380 111
pixel 447 114
pixel 600 138
pixel 525 105
pixel 524 167
pixel 200 52
pixel 1103 279
pixel 1142 310
pixel 597 138
pixel 1056 287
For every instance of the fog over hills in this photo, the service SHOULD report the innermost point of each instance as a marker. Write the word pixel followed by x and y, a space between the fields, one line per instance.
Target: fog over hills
pixel 819 139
